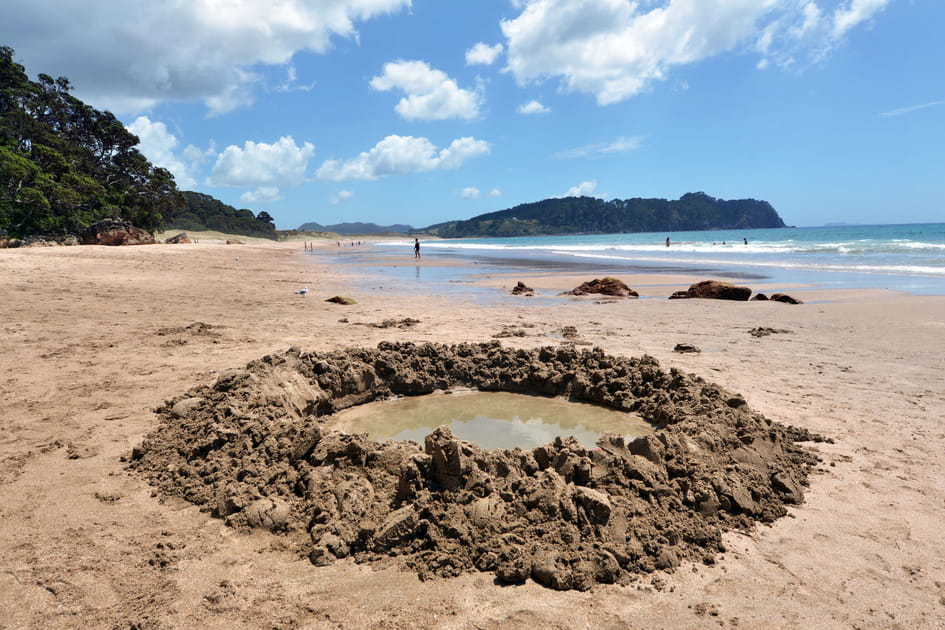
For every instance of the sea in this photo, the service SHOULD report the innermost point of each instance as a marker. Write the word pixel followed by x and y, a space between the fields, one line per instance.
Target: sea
pixel 908 258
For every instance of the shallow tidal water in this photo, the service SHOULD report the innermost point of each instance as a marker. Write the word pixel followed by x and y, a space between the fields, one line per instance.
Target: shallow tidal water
pixel 491 420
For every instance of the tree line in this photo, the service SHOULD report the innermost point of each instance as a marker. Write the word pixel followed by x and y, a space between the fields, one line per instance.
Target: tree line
pixel 65 165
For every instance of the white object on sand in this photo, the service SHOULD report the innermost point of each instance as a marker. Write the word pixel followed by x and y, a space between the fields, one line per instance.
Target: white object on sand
pixel 303 291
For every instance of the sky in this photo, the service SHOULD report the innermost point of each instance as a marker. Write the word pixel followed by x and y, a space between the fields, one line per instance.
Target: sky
pixel 423 111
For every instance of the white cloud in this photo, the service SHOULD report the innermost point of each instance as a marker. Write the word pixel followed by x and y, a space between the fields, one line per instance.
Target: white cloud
pixel 197 156
pixel 845 18
pixel 158 145
pixel 483 54
pixel 430 93
pixel 910 109
pixel 119 55
pixel 623 144
pixel 584 189
pixel 470 192
pixel 615 49
pixel 261 164
pixel 263 194
pixel 533 107
pixel 399 155
pixel 495 192
pixel 291 82
pixel 342 195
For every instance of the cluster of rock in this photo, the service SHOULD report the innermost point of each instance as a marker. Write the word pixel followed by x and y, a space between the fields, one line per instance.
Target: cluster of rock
pixel 777 297
pixel 38 241
pixel 115 232
pixel 603 286
pixel 707 289
pixel 105 232
pixel 254 448
pixel 521 288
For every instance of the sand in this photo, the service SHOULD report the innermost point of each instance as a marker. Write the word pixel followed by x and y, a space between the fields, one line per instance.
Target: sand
pixel 94 339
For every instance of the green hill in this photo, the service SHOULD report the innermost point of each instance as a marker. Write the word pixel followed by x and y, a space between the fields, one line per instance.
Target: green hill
pixel 349 229
pixel 589 215
pixel 203 212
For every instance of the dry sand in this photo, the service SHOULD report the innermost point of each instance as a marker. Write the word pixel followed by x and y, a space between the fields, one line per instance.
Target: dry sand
pixel 94 338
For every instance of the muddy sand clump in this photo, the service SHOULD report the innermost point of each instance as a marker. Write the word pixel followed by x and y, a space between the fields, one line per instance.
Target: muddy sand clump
pixel 256 450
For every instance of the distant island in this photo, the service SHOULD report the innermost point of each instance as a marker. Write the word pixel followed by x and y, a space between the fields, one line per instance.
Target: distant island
pixel 350 229
pixel 590 215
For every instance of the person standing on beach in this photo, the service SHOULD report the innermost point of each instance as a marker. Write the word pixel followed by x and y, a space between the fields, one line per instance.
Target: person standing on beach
pixel 667 241
pixel 416 248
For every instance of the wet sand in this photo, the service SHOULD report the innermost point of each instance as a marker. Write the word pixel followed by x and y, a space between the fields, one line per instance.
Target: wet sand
pixel 94 338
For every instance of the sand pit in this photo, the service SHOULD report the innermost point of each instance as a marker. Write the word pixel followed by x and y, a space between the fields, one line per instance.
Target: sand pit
pixel 253 449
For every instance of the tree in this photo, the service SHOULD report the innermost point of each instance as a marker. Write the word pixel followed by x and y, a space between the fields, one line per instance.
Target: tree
pixel 65 164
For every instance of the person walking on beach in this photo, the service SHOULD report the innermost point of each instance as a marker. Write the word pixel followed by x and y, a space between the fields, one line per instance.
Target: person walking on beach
pixel 416 248
pixel 667 241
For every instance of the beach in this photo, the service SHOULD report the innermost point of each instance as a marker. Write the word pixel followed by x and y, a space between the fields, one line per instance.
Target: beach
pixel 96 338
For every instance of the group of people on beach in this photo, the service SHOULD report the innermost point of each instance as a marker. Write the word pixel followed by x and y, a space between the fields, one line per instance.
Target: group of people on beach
pixel 713 242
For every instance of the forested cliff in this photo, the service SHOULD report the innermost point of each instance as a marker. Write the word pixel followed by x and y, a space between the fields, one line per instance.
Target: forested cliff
pixel 583 215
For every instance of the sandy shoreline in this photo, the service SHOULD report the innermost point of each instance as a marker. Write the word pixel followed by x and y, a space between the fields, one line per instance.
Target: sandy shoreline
pixel 95 338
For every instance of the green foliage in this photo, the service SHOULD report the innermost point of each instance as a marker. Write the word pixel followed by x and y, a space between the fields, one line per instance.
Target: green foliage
pixel 589 215
pixel 65 165
pixel 203 212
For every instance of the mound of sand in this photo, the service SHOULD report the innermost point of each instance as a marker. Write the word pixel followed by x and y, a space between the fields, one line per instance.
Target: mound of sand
pixel 253 448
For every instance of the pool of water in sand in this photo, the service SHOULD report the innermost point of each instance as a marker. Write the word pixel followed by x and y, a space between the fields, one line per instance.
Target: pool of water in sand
pixel 492 420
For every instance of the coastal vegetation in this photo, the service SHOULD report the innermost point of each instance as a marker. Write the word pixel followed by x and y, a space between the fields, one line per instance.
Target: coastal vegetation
pixel 65 165
pixel 589 215
pixel 202 212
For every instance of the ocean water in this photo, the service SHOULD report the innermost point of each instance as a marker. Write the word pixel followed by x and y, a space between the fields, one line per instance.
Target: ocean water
pixel 908 258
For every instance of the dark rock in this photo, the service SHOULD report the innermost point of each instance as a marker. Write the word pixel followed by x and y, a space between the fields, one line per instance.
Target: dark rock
pixel 713 290
pixel 760 297
pixel 521 289
pixel 761 331
pixel 179 238
pixel 340 299
pixel 785 298
pixel 684 348
pixel 604 286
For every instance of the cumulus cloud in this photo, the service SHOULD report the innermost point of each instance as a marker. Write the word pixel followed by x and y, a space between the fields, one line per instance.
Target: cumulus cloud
pixel 430 93
pixel 119 56
pixel 261 164
pixel 584 189
pixel 495 192
pixel 483 54
pixel 470 192
pixel 342 195
pixel 263 194
pixel 533 107
pixel 615 49
pixel 158 145
pixel 399 155
pixel 623 144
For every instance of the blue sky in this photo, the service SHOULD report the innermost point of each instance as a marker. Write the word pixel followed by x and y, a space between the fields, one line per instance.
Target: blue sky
pixel 421 111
